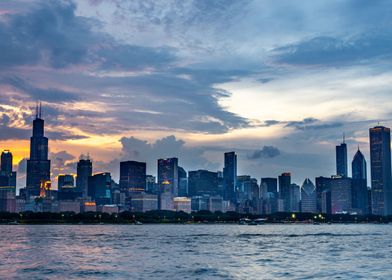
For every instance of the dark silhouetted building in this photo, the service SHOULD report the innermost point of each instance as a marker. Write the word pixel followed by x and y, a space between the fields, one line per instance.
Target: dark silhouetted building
pixel 323 192
pixel 151 185
pixel 182 182
pixel 341 160
pixel 38 166
pixel 203 182
pixel 168 176
pixel 230 176
pixel 99 188
pixel 132 177
pixel 7 176
pixel 380 164
pixel 359 184
pixel 285 191
pixel 65 180
pixel 84 170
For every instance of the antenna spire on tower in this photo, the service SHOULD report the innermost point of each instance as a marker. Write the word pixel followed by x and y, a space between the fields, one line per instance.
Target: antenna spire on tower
pixel 36 111
pixel 344 138
pixel 40 110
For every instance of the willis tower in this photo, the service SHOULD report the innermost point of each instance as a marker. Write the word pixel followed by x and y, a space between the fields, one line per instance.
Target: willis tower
pixel 38 166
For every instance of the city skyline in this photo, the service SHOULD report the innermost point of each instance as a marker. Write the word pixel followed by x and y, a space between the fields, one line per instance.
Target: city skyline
pixel 278 86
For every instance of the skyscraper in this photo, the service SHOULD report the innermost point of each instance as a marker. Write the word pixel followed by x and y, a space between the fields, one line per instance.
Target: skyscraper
pixel 203 182
pixel 6 162
pixel 182 182
pixel 359 183
pixel 380 163
pixel 38 166
pixel 84 170
pixel 230 176
pixel 308 197
pixel 132 177
pixel 285 190
pixel 99 188
pixel 341 159
pixel 168 175
pixel 7 176
pixel 65 180
pixel 340 195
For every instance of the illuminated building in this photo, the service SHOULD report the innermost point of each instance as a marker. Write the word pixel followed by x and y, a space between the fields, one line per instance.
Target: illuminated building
pixel 308 197
pixel 203 182
pixel 89 206
pixel 38 166
pixel 380 165
pixel 340 195
pixel 341 160
pixel 182 204
pixel 99 188
pixel 45 188
pixel 230 176
pixel 132 177
pixel 84 170
pixel 168 176
pixel 359 184
pixel 143 202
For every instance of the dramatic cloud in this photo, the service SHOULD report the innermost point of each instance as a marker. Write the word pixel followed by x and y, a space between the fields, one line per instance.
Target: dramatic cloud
pixel 219 75
pixel 265 152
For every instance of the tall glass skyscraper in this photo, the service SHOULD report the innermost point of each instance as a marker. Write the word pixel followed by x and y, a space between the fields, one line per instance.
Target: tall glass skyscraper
pixel 38 166
pixel 230 176
pixel 341 160
pixel 84 170
pixel 168 175
pixel 285 190
pixel 380 163
pixel 359 183
pixel 132 177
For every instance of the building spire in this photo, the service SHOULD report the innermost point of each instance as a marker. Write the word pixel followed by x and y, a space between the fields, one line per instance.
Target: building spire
pixel 36 111
pixel 344 138
pixel 40 110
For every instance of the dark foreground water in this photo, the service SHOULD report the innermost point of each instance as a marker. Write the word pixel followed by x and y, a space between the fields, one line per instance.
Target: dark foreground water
pixel 196 252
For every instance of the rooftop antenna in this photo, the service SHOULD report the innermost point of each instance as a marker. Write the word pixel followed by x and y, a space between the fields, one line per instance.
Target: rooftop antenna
pixel 40 110
pixel 344 138
pixel 36 111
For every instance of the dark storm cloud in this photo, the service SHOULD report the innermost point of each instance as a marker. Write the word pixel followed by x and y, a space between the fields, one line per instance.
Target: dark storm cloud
pixel 265 152
pixel 51 32
pixel 36 93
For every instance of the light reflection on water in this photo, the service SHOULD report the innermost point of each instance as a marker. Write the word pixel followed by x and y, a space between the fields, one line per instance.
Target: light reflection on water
pixel 195 252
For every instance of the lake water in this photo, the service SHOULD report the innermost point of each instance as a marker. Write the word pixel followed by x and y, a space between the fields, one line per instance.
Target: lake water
pixel 195 252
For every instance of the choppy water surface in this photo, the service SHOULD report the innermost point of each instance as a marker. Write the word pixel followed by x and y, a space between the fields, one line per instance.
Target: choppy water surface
pixel 196 252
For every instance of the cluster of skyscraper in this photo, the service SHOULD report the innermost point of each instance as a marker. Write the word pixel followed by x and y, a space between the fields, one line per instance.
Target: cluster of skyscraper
pixel 178 190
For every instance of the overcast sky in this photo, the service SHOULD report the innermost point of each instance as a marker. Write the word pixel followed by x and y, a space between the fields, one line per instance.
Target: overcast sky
pixel 278 82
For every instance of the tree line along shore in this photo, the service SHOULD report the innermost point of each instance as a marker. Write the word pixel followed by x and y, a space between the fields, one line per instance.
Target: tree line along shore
pixel 162 216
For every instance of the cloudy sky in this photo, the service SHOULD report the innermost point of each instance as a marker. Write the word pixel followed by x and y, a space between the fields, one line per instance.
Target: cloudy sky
pixel 279 82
